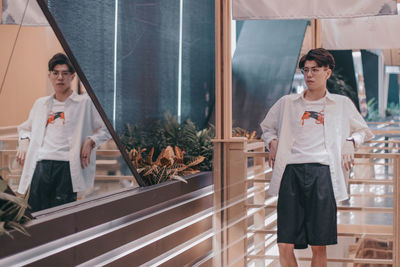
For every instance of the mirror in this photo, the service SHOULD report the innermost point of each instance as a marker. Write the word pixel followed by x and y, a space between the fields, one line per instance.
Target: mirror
pixel 137 62
pixel 27 44
pixel 143 61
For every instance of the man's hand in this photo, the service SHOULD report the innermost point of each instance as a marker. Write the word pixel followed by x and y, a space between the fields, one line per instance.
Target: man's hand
pixel 21 151
pixel 273 147
pixel 348 155
pixel 86 150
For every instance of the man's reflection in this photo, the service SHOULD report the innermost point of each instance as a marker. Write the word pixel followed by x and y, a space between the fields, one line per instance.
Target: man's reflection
pixel 57 143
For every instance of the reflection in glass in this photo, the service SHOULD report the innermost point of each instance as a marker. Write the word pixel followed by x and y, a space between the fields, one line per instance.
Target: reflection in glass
pixel 135 47
pixel 148 57
pixel 27 43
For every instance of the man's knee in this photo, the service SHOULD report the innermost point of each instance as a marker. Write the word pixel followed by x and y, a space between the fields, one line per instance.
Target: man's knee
pixel 285 248
pixel 318 250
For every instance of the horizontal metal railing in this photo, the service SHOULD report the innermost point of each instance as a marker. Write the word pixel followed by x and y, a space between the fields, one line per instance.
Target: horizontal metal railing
pixel 390 233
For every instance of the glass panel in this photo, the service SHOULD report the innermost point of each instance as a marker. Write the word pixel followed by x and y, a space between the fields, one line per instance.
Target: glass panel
pixel 29 42
pixel 263 66
pixel 143 61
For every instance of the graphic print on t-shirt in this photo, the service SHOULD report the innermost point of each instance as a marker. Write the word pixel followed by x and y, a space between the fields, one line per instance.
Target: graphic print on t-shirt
pixel 55 144
pixel 309 137
pixel 53 116
pixel 318 116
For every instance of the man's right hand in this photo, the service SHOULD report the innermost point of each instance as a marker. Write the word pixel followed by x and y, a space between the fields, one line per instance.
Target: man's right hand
pixel 273 147
pixel 21 151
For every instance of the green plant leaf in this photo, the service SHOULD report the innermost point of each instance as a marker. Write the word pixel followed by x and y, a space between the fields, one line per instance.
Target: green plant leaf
pixel 3 186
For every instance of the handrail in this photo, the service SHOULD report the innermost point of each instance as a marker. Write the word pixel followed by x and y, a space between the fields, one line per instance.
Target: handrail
pixel 356 155
pixel 383 122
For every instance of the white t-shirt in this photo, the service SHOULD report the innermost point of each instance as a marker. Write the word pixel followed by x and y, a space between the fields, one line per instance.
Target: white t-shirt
pixel 309 144
pixel 55 143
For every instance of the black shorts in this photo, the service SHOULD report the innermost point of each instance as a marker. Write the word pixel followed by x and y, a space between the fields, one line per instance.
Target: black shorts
pixel 307 206
pixel 51 185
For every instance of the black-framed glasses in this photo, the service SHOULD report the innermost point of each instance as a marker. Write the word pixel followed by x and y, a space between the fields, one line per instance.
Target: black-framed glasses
pixel 55 73
pixel 314 70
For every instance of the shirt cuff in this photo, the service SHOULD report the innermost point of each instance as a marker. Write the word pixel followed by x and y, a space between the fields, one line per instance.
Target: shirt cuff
pixel 269 140
pixel 358 138
pixel 94 140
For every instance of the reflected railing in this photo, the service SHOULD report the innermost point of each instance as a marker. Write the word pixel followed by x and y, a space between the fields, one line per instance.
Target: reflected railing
pixel 367 228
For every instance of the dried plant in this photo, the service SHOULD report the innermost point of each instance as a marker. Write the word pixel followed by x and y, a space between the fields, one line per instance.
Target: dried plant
pixel 155 136
pixel 12 210
pixel 240 132
pixel 169 165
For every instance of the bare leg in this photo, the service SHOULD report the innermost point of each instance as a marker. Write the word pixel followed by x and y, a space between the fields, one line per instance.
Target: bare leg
pixel 319 256
pixel 286 255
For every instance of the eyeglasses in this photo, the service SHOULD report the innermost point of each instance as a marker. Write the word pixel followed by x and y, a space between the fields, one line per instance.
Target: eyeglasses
pixel 314 70
pixel 55 73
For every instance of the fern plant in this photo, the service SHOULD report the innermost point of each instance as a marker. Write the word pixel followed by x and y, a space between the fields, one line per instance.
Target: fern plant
pixel 12 210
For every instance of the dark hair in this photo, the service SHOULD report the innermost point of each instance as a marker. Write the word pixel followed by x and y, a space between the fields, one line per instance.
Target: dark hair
pixel 319 55
pixel 61 59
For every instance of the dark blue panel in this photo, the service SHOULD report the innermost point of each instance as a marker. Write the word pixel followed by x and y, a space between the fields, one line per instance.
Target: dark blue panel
pixel 345 67
pixel 198 61
pixel 370 62
pixel 89 30
pixel 393 94
pixel 263 67
pixel 147 55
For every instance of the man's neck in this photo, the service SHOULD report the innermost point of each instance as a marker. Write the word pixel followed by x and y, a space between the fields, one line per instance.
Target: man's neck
pixel 314 95
pixel 63 96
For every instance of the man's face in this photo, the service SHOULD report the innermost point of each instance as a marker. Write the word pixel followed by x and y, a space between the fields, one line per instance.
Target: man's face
pixel 61 78
pixel 314 76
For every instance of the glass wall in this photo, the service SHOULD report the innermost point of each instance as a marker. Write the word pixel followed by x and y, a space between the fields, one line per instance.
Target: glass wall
pixel 142 61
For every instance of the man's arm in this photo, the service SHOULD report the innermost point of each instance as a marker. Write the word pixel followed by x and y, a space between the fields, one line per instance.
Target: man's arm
pixel 359 133
pixel 24 137
pixel 269 127
pixel 100 135
pixel 359 130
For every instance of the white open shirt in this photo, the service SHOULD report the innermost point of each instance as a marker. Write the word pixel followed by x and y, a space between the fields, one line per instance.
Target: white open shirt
pixel 82 121
pixel 342 120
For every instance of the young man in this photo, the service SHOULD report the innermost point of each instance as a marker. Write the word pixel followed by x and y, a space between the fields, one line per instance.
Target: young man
pixel 56 143
pixel 311 136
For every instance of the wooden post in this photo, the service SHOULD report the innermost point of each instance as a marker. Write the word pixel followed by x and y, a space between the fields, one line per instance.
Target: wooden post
pixel 230 163
pixel 396 205
pixel 259 198
pixel 223 70
pixel 230 192
pixel 235 220
pixel 316 33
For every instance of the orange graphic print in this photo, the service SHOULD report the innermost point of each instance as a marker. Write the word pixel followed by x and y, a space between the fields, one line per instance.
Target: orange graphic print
pixel 53 116
pixel 318 116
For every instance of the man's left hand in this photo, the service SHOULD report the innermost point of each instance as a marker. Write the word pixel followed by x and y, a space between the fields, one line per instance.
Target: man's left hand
pixel 86 150
pixel 348 155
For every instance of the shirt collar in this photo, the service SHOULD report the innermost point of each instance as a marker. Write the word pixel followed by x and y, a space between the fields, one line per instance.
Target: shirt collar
pixel 73 97
pixel 328 96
